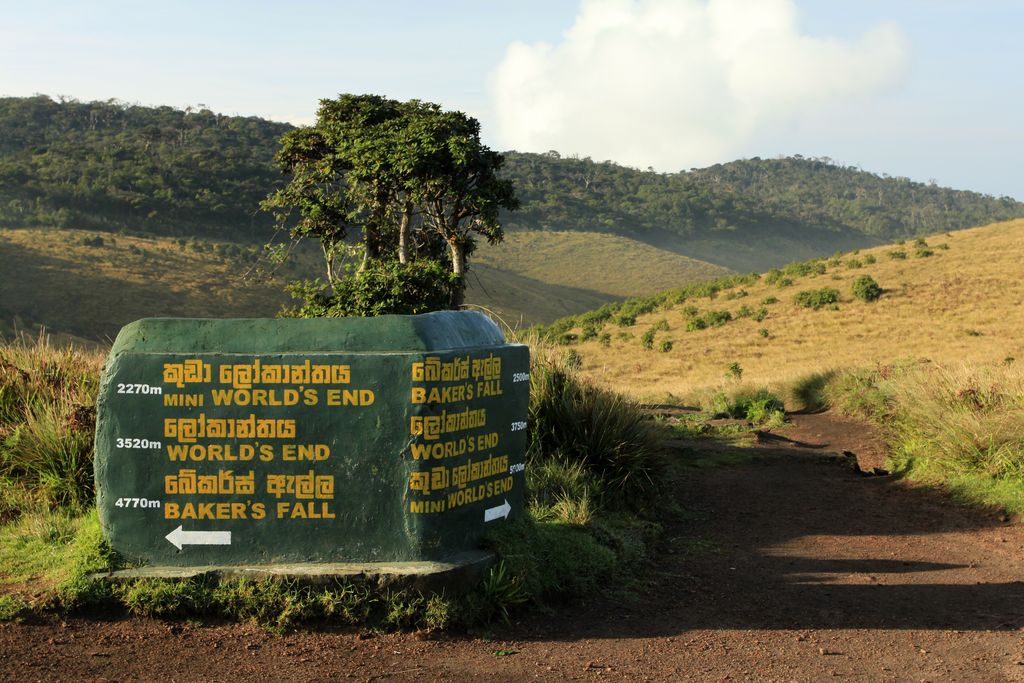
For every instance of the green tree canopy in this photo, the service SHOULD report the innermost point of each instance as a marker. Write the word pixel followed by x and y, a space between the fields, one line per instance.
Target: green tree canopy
pixel 389 181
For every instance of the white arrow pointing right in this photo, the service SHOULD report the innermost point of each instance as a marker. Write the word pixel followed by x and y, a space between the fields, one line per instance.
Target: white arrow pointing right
pixel 491 514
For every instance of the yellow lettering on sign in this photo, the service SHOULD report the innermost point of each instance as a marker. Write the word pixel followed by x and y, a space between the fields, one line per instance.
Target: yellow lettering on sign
pixel 431 427
pixel 189 429
pixel 487 368
pixel 302 486
pixel 215 511
pixel 452 394
pixel 304 511
pixel 187 372
pixel 245 375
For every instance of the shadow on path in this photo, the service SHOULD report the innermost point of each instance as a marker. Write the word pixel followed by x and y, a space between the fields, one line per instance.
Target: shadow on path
pixel 794 538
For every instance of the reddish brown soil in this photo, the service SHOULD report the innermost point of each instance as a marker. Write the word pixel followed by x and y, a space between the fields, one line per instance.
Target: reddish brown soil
pixel 786 568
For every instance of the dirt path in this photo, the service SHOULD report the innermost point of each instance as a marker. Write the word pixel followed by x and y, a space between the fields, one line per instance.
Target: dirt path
pixel 789 567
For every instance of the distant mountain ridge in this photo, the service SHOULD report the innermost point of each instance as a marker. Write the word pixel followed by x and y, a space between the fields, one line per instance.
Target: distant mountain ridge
pixel 165 171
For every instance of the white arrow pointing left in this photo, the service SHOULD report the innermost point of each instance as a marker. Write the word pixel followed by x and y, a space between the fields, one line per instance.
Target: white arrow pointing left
pixel 180 537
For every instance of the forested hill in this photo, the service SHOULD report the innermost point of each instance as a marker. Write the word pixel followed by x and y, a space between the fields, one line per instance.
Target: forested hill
pixel 748 195
pixel 110 165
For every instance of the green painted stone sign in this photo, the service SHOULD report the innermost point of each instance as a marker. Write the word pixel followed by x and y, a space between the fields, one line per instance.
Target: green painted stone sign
pixel 227 442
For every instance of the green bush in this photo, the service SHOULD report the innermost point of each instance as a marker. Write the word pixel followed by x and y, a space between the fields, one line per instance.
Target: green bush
pixel 817 298
pixel 383 287
pixel 870 259
pixel 768 301
pixel 924 253
pixel 763 332
pixel 759 406
pixel 665 346
pixel 805 268
pixel 567 339
pixel 625 320
pixel 717 318
pixel 898 254
pixel 709 319
pixel 866 289
pixel 735 370
pixel 647 338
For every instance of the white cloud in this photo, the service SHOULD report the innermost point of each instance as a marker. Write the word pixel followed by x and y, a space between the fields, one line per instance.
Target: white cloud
pixel 680 83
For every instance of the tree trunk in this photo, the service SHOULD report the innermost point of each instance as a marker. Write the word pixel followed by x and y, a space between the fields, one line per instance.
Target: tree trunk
pixel 403 234
pixel 459 269
pixel 329 261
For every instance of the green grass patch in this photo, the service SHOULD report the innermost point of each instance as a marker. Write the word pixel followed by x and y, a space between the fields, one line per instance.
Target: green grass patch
pixel 11 607
pixel 960 429
pixel 759 406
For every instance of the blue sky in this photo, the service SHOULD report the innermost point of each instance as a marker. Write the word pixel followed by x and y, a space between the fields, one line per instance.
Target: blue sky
pixel 929 89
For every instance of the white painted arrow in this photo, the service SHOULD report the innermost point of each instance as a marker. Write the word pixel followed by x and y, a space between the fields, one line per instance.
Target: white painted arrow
pixel 491 514
pixel 180 537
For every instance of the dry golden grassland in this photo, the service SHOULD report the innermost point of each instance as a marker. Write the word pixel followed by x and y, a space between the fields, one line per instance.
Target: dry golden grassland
pixel 964 303
pixel 81 293
pixel 611 264
pixel 51 277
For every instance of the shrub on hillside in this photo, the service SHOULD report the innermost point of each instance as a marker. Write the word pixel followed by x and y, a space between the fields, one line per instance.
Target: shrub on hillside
pixel 709 319
pixel 567 339
pixel 647 338
pixel 817 298
pixel 625 320
pixel 866 289
pixel 870 259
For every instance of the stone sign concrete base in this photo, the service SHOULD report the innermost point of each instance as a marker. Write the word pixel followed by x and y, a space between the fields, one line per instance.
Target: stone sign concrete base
pixel 455 574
